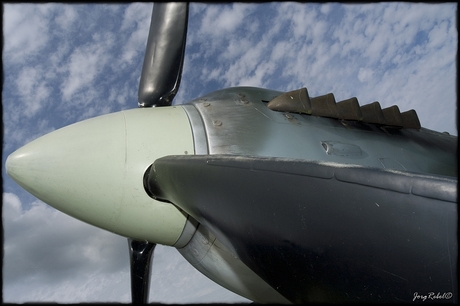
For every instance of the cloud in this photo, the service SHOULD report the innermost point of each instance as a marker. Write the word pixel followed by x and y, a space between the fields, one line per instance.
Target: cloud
pixel 365 74
pixel 66 19
pixel 222 20
pixel 50 256
pixel 30 83
pixel 136 23
pixel 59 246
pixel 438 35
pixel 84 66
pixel 25 31
pixel 78 244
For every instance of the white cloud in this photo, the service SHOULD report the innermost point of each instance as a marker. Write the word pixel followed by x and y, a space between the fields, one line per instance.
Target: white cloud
pixel 235 48
pixel 50 256
pixel 220 20
pixel 134 14
pixel 66 19
pixel 326 8
pixel 25 31
pixel 85 64
pixel 438 35
pixel 136 22
pixel 228 20
pixel 246 65
pixel 318 30
pixel 12 207
pixel 303 20
pixel 44 245
pixel 279 51
pixel 33 89
pixel 365 74
pixel 44 232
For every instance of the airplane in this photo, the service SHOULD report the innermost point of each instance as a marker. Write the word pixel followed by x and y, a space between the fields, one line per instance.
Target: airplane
pixel 277 196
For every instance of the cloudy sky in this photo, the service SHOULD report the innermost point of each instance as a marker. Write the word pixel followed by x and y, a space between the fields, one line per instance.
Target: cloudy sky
pixel 65 63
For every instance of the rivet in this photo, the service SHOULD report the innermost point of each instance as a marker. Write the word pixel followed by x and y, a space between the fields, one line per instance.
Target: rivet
pixel 206 104
pixel 217 123
pixel 288 116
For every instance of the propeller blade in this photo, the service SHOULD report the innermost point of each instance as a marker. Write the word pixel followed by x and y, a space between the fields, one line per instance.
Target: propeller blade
pixel 336 228
pixel 140 254
pixel 164 55
pixel 160 79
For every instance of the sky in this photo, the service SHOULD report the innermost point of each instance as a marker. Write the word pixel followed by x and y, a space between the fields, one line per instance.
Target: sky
pixel 65 63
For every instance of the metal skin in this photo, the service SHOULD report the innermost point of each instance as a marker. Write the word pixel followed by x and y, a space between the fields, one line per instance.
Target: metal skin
pixel 93 171
pixel 96 171
pixel 164 55
pixel 322 232
pixel 208 255
pixel 237 122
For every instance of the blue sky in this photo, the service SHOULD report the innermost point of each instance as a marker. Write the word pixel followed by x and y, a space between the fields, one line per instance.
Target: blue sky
pixel 65 63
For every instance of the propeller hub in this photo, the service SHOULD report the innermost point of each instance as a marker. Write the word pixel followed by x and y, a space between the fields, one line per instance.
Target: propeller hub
pixel 93 170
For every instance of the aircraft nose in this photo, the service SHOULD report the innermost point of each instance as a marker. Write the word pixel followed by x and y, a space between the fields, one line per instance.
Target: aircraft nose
pixel 93 170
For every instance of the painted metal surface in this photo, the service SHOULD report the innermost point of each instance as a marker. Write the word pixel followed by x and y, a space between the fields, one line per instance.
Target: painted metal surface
pixel 93 171
pixel 298 101
pixel 321 231
pixel 237 121
pixel 209 256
